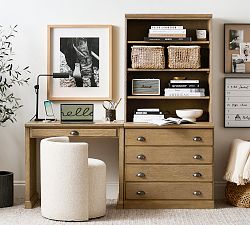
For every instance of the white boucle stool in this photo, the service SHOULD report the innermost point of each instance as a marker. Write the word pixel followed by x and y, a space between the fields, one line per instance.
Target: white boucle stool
pixel 73 187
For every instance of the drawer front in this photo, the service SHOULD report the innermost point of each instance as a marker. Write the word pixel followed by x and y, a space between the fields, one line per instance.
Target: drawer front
pixel 165 190
pixel 73 132
pixel 168 173
pixel 167 154
pixel 169 137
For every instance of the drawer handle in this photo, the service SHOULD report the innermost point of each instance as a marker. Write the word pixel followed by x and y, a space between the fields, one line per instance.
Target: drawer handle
pixel 197 157
pixel 197 138
pixel 197 193
pixel 141 193
pixel 141 174
pixel 74 132
pixel 141 139
pixel 141 157
pixel 197 175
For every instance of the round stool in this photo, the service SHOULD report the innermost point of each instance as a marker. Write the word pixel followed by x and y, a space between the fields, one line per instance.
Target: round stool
pixel 97 188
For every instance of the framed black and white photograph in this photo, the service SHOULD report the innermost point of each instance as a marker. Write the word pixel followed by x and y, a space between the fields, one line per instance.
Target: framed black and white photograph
pixel 237 102
pixel 85 53
pixel 237 48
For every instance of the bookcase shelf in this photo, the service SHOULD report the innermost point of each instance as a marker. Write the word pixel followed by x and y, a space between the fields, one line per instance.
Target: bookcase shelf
pixel 137 27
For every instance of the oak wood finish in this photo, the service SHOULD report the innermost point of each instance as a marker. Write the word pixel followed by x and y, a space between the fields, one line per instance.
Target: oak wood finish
pixel 170 155
pixel 168 190
pixel 37 130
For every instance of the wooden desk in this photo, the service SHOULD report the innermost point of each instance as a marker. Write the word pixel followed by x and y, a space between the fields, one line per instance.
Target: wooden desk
pixel 38 130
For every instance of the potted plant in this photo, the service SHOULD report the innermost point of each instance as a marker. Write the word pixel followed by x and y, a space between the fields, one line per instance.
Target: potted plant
pixel 10 76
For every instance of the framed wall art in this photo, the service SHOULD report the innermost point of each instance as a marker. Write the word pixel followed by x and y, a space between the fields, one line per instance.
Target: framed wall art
pixel 237 102
pixel 85 52
pixel 237 48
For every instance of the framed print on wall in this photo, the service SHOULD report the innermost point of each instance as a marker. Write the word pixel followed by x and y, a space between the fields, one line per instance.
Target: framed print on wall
pixel 237 48
pixel 85 52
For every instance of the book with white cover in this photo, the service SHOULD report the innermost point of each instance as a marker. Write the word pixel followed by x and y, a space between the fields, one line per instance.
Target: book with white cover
pixel 197 94
pixel 146 118
pixel 184 90
pixel 149 110
pixel 166 27
pixel 184 81
pixel 167 31
pixel 169 120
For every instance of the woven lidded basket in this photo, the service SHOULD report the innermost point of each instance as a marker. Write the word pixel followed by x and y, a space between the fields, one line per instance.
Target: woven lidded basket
pixel 238 195
pixel 184 57
pixel 148 57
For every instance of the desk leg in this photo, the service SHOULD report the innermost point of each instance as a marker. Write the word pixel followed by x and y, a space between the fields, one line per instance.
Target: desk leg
pixel 31 195
pixel 121 168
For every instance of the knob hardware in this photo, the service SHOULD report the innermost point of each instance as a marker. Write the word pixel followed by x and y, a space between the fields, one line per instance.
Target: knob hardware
pixel 141 193
pixel 141 157
pixel 74 132
pixel 197 138
pixel 197 174
pixel 197 157
pixel 141 174
pixel 141 139
pixel 197 193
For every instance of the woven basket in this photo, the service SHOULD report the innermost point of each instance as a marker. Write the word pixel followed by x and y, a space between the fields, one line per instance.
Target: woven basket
pixel 148 57
pixel 184 57
pixel 238 195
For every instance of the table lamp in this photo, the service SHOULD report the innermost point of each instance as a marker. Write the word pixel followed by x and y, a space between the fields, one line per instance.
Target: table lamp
pixel 54 75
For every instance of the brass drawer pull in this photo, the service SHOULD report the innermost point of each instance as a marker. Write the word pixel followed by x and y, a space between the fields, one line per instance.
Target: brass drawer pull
pixel 197 193
pixel 197 174
pixel 74 132
pixel 197 157
pixel 141 139
pixel 140 174
pixel 141 157
pixel 197 138
pixel 141 193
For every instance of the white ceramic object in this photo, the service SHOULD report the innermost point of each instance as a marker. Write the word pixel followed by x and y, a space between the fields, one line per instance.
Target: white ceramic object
pixel 189 114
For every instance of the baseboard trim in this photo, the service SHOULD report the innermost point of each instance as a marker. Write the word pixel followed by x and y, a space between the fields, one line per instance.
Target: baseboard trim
pixel 113 187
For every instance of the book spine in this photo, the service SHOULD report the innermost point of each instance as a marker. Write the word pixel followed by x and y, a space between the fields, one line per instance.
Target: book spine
pixel 148 110
pixel 148 113
pixel 184 81
pixel 183 85
pixel 167 35
pixel 167 27
pixel 184 90
pixel 168 31
pixel 197 94
pixel 167 39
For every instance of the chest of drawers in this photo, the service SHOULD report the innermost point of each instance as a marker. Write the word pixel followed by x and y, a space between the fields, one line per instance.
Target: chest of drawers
pixel 168 167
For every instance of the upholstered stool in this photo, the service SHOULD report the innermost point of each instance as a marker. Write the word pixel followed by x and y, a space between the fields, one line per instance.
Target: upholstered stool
pixel 70 181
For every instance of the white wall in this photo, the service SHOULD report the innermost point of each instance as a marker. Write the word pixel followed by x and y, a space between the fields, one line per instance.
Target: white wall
pixel 32 18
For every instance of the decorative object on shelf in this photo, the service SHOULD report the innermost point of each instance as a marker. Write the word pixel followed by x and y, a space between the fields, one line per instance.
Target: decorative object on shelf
pixel 110 108
pixel 189 114
pixel 179 78
pixel 49 112
pixel 237 48
pixel 10 76
pixel 237 106
pixel 184 57
pixel 54 75
pixel 85 52
pixel 145 86
pixel 79 113
pixel 148 57
pixel 6 189
pixel 201 35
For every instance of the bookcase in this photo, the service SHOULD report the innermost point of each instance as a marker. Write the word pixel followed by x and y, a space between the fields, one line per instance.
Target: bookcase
pixel 137 27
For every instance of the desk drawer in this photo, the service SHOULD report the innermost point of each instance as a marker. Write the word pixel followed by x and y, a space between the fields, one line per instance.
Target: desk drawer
pixel 168 173
pixel 165 190
pixel 169 137
pixel 72 132
pixel 168 154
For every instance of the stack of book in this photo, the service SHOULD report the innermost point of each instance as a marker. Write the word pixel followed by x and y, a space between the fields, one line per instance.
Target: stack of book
pixel 185 88
pixel 167 33
pixel 146 115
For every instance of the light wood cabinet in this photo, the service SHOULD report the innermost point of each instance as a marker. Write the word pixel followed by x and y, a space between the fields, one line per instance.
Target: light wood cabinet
pixel 170 166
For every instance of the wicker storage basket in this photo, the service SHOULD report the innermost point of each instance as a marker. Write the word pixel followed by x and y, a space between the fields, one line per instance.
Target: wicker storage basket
pixel 238 195
pixel 148 57
pixel 184 57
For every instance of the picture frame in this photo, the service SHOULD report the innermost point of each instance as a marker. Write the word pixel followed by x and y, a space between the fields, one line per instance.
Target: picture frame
pixel 85 52
pixel 236 102
pixel 237 48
